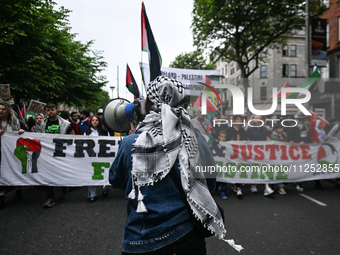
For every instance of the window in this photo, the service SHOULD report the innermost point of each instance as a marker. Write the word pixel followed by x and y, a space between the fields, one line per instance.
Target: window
pixel 263 72
pixel 293 50
pixel 223 71
pixel 285 50
pixel 285 70
pixel 327 35
pixel 325 3
pixel 293 71
pixel 263 93
pixel 232 69
pixel 263 53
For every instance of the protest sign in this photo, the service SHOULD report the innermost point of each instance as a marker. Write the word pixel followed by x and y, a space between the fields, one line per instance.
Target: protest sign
pixel 5 91
pixel 36 106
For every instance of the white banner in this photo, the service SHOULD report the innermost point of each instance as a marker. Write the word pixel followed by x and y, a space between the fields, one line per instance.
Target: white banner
pixel 56 160
pixel 275 162
pixel 190 78
pixel 73 160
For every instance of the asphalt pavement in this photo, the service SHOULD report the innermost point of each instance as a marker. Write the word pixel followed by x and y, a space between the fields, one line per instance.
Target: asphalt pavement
pixel 280 224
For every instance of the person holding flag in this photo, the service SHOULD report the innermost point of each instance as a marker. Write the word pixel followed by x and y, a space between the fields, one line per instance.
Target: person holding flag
pixel 200 122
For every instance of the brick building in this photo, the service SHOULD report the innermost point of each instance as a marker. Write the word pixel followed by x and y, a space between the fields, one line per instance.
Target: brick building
pixel 333 43
pixel 331 72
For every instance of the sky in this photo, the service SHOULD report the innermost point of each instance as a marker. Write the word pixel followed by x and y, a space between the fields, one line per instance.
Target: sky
pixel 115 27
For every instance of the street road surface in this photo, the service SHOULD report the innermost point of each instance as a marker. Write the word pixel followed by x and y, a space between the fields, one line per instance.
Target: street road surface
pixel 290 224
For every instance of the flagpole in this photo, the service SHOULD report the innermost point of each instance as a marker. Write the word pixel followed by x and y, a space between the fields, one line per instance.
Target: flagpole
pixel 141 54
pixel 118 81
pixel 307 41
pixel 141 78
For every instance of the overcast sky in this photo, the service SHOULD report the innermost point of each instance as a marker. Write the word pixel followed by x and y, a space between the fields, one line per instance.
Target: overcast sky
pixel 116 28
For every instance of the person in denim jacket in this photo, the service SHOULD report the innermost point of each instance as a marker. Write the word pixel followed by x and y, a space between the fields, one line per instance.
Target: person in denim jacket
pixel 158 219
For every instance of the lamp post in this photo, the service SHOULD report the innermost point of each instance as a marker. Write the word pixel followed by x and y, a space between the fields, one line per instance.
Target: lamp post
pixel 112 88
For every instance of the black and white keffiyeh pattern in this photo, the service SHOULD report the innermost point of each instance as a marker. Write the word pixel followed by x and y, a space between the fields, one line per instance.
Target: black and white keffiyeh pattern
pixel 165 136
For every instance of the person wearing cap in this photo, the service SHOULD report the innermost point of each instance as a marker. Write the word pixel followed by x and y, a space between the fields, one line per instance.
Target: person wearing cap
pixel 100 113
pixel 101 116
pixel 165 145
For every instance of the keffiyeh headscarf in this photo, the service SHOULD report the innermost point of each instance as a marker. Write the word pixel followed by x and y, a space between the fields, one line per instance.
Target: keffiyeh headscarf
pixel 165 136
pixel 38 128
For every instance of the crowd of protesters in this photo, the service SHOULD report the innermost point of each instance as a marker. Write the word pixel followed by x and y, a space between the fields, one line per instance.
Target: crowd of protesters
pixel 53 122
pixel 83 123
pixel 307 130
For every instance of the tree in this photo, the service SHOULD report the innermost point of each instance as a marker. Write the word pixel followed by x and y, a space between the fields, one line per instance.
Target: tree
pixel 40 58
pixel 239 30
pixel 102 98
pixel 192 60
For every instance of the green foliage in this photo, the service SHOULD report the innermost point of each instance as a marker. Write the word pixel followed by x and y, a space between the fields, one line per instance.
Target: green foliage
pixel 238 30
pixel 192 60
pixel 40 58
pixel 102 97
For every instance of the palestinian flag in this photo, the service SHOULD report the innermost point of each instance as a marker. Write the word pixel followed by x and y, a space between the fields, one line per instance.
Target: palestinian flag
pixel 308 85
pixel 131 83
pixel 211 108
pixel 22 113
pixel 279 93
pixel 149 45
pixel 311 118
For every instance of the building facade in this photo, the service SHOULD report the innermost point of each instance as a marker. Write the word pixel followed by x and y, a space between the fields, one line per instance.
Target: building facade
pixel 279 66
pixel 331 72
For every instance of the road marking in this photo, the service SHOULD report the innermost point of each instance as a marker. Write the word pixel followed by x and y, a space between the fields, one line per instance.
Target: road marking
pixel 313 200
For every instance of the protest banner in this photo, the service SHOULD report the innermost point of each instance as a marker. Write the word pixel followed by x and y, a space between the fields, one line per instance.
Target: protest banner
pixel 56 160
pixel 192 79
pixel 5 91
pixel 72 160
pixel 256 162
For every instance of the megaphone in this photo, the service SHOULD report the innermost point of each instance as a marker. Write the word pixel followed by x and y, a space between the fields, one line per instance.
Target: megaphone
pixel 118 113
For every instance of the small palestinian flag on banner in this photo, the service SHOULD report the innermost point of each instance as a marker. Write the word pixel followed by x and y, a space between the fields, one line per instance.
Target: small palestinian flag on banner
pixel 131 83
pixel 149 45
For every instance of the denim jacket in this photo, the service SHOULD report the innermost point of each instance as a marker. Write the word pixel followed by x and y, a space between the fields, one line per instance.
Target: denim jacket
pixel 168 217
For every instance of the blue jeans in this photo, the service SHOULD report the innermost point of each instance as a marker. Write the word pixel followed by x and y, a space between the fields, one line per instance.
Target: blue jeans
pixel 190 244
